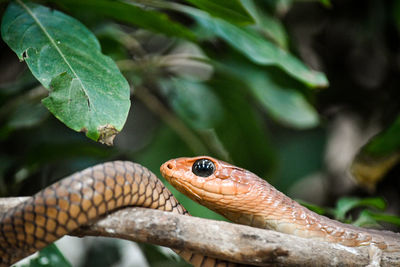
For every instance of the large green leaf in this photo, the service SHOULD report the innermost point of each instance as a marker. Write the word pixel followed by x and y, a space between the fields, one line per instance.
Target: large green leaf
pixel 128 13
pixel 229 10
pixel 256 48
pixel 87 91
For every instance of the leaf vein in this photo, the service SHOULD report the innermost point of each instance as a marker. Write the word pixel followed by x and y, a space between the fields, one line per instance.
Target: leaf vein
pixel 54 44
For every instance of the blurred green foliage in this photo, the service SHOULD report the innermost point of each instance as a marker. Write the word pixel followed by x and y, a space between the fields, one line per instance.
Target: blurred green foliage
pixel 244 81
pixel 386 142
pixel 371 213
pixel 49 256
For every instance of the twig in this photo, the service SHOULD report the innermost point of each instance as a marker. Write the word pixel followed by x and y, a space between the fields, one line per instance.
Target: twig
pixel 237 243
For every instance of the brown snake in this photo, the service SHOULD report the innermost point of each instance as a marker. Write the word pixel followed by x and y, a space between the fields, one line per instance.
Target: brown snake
pixel 81 198
pixel 236 193
pixel 243 197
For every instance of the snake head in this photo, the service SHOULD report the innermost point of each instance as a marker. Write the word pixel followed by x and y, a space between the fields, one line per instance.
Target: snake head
pixel 205 179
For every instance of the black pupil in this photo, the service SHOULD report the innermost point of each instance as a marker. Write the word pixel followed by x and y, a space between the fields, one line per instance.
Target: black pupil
pixel 203 167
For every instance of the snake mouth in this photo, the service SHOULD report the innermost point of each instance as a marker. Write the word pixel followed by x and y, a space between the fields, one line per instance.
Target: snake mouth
pixel 188 191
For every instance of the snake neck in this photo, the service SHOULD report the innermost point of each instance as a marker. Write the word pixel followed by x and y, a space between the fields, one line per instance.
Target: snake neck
pixel 271 209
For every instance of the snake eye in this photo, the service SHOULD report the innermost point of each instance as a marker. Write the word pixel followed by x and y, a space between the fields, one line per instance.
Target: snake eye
pixel 203 167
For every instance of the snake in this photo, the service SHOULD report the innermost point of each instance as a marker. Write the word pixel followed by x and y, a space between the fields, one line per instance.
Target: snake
pixel 236 193
pixel 82 198
pixel 243 197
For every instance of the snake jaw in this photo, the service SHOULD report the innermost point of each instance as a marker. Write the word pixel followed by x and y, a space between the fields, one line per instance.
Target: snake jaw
pixel 183 188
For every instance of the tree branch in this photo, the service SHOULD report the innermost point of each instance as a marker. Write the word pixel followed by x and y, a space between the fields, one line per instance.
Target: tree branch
pixel 232 242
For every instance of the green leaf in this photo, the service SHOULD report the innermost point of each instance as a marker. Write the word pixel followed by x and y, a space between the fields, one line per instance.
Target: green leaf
pixel 194 102
pixel 87 91
pixel 365 220
pixel 267 24
pixel 378 156
pixel 276 94
pixel 326 3
pixel 232 10
pixel 312 207
pixel 386 142
pixel 156 256
pixel 393 219
pixel 285 104
pixel 49 256
pixel 258 49
pixel 128 13
pixel 345 204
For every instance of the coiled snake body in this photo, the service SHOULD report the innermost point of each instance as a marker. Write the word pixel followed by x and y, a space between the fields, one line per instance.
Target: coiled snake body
pixel 79 199
pixel 234 192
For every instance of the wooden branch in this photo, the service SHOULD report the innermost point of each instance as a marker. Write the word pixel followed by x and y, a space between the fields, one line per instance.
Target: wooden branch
pixel 232 242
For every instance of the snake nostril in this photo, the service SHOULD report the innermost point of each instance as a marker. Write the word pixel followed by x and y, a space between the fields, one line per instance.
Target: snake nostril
pixel 169 166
